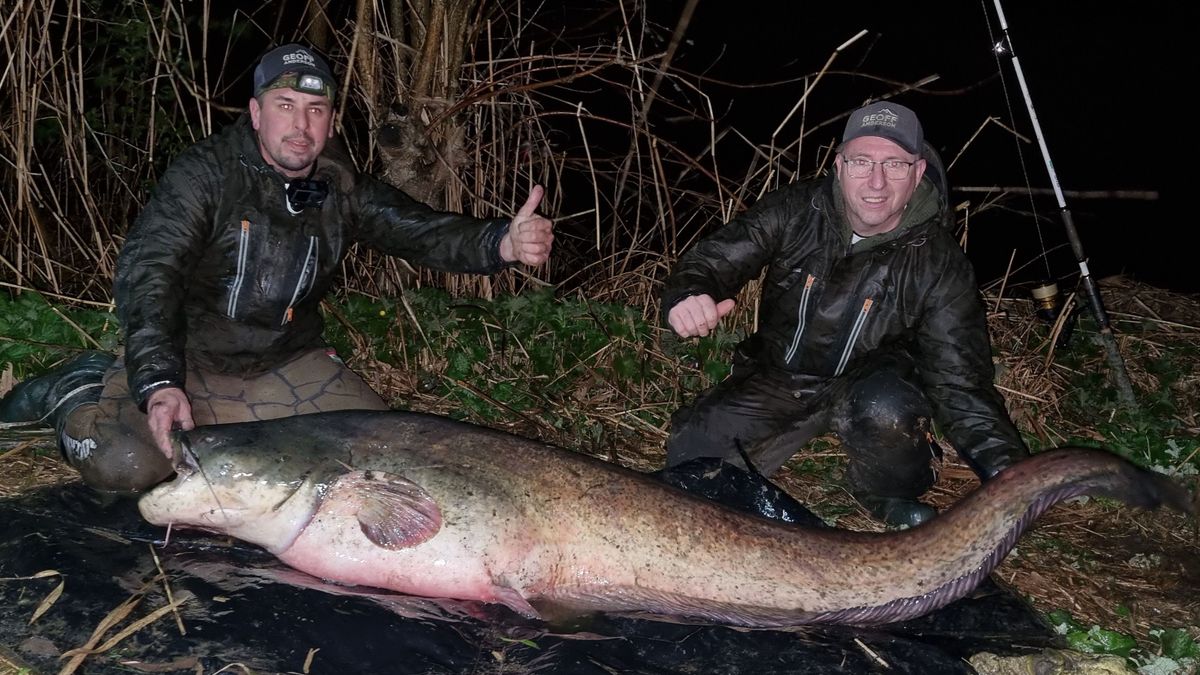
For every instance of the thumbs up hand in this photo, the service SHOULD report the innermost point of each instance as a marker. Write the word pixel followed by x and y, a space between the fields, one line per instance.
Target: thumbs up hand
pixel 530 235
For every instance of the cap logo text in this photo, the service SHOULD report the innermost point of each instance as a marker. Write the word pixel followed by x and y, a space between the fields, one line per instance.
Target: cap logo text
pixel 883 118
pixel 298 58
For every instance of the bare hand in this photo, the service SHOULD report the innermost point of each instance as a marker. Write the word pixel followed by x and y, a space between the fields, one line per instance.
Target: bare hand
pixel 530 235
pixel 698 315
pixel 165 409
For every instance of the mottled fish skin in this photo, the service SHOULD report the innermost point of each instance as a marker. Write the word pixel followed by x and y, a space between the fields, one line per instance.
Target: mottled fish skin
pixel 429 506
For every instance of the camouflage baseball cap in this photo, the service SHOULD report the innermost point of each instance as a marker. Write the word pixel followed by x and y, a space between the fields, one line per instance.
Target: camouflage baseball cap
pixel 294 66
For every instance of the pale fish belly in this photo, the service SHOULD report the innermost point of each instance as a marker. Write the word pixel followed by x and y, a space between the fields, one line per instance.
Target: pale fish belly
pixel 333 547
pixel 381 530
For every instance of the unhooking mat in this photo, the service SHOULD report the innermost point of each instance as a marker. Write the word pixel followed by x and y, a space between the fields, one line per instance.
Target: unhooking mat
pixel 242 610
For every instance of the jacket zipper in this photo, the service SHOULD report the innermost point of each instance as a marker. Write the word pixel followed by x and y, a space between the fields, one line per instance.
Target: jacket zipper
pixel 235 288
pixel 854 333
pixel 801 313
pixel 310 263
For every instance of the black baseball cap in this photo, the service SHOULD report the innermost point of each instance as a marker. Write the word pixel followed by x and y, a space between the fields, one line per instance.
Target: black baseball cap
pixel 296 67
pixel 887 120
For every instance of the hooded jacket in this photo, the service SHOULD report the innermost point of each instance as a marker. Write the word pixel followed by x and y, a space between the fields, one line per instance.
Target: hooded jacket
pixel 828 305
pixel 219 273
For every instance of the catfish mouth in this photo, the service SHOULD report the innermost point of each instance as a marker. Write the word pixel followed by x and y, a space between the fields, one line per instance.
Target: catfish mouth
pixel 191 500
pixel 184 459
pixel 168 500
pixel 168 505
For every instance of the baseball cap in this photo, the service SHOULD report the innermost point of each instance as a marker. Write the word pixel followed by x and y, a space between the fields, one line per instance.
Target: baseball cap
pixel 297 67
pixel 887 120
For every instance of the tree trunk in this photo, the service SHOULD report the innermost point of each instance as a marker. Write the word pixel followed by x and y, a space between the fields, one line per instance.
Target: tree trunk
pixel 421 148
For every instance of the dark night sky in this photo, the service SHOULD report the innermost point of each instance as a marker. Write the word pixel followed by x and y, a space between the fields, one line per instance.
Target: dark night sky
pixel 1109 87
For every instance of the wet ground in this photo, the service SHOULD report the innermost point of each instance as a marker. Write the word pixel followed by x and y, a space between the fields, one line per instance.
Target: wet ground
pixel 235 604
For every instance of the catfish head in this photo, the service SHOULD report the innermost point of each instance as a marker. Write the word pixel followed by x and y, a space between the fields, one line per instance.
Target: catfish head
pixel 232 483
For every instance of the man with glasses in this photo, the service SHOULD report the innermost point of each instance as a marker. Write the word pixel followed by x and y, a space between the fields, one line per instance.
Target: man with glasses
pixel 870 325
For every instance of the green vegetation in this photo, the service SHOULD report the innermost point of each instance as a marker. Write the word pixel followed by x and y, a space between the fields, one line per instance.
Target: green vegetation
pixel 530 352
pixel 1174 651
pixel 35 335
pixel 570 361
pixel 1152 434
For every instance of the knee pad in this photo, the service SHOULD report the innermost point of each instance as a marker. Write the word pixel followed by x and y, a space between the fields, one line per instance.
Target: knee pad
pixel 112 463
pixel 884 410
pixel 885 424
pixel 124 474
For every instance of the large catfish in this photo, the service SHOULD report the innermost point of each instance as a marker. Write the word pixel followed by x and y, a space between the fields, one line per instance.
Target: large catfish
pixel 429 506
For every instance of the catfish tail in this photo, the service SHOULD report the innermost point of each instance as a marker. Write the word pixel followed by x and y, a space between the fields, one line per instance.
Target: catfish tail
pixel 997 514
pixel 1123 481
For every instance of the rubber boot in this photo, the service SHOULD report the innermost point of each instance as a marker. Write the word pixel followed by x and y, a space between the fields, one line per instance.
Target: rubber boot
pixel 988 462
pixel 45 400
pixel 897 511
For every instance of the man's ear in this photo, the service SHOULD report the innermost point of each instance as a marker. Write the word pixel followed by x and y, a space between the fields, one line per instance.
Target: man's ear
pixel 255 112
pixel 920 167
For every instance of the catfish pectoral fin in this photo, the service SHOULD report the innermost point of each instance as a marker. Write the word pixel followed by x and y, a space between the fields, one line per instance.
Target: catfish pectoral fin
pixel 393 512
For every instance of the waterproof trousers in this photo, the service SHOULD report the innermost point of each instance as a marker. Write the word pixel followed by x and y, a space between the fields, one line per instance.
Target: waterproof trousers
pixel 109 441
pixel 878 411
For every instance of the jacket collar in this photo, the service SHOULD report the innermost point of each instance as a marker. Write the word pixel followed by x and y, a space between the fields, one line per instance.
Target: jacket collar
pixel 334 164
pixel 247 146
pixel 924 206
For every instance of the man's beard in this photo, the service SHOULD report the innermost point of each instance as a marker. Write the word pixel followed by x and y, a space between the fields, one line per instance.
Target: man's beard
pixel 292 162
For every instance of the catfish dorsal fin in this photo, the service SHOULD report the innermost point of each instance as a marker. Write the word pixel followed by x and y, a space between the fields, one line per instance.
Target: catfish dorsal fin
pixel 393 512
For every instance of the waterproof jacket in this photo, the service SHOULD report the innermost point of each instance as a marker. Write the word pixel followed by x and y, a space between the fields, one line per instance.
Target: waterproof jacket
pixel 827 305
pixel 219 273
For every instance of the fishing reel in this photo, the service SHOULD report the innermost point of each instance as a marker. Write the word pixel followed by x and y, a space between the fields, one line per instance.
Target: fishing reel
pixel 1048 307
pixel 1047 301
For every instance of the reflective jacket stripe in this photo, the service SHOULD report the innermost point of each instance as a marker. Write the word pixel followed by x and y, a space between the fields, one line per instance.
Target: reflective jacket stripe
pixel 800 314
pixel 310 263
pixel 235 288
pixel 854 332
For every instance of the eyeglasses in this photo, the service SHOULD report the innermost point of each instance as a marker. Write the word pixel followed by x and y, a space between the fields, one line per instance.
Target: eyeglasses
pixel 893 169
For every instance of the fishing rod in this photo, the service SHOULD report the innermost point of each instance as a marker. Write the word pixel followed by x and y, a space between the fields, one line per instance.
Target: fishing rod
pixel 1120 374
